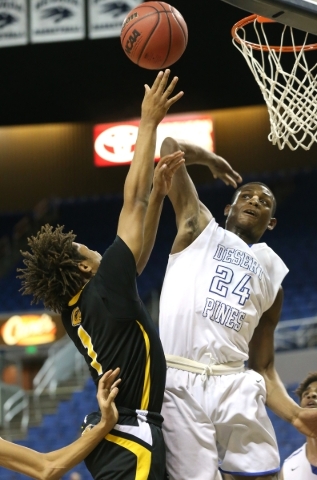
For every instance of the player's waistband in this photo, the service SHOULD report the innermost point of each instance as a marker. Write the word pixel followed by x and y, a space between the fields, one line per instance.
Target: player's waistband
pixel 143 415
pixel 206 370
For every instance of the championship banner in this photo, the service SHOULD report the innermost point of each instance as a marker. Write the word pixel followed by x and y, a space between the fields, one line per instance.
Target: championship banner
pixel 114 143
pixel 13 23
pixel 106 16
pixel 57 20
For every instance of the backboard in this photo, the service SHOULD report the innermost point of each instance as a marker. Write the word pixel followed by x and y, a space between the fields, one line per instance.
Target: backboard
pixel 300 14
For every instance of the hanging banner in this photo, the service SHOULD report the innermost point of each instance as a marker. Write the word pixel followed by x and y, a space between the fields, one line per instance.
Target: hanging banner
pixel 57 20
pixel 114 143
pixel 106 17
pixel 13 23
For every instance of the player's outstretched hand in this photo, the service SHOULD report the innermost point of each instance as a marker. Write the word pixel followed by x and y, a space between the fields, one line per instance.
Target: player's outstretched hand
pixel 107 392
pixel 157 99
pixel 306 422
pixel 220 168
pixel 164 171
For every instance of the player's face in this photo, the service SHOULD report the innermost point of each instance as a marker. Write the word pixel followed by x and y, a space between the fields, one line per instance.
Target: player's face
pixel 93 258
pixel 251 211
pixel 309 397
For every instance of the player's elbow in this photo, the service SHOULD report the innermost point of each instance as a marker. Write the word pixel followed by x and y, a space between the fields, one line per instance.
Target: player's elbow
pixel 50 474
pixel 169 145
pixel 266 369
pixel 50 471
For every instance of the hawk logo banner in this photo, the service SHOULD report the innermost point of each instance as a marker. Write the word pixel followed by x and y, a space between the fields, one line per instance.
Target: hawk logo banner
pixel 114 143
pixel 13 23
pixel 57 20
pixel 107 16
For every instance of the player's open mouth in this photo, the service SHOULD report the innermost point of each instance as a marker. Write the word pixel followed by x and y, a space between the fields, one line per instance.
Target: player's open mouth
pixel 311 405
pixel 252 213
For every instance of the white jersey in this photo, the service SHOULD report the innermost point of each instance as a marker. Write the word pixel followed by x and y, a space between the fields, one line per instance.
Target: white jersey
pixel 297 467
pixel 214 294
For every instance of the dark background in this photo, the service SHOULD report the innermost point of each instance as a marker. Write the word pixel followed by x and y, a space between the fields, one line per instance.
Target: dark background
pixel 93 80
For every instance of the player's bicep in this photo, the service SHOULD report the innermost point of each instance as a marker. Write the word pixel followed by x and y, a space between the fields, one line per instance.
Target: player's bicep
pixel 189 228
pixel 191 214
pixel 183 196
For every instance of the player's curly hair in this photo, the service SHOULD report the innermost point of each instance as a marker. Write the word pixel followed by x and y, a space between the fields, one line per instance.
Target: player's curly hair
pixel 312 377
pixel 51 274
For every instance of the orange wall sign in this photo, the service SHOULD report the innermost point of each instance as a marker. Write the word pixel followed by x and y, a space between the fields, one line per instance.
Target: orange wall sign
pixel 114 143
pixel 34 329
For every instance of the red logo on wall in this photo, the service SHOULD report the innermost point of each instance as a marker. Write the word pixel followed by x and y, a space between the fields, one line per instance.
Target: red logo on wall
pixel 114 143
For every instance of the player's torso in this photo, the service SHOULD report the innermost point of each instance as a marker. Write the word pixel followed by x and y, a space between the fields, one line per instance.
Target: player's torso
pixel 297 467
pixel 108 342
pixel 213 295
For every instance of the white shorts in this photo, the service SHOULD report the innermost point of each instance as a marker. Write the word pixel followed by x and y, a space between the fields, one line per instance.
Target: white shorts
pixel 222 424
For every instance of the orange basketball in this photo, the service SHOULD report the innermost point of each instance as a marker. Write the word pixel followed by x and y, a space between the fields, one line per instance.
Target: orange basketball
pixel 154 35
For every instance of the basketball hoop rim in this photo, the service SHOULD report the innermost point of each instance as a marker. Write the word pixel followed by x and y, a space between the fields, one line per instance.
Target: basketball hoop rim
pixel 264 48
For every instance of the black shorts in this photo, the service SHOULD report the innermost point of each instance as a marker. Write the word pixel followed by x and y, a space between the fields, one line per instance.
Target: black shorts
pixel 133 450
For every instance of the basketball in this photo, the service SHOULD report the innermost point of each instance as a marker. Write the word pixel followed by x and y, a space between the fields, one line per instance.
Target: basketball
pixel 154 35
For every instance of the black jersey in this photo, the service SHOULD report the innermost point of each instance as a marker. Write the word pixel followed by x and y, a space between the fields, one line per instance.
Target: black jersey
pixel 111 327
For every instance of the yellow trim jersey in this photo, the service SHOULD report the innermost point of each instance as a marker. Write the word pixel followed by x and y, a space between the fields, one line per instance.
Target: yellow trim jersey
pixel 111 328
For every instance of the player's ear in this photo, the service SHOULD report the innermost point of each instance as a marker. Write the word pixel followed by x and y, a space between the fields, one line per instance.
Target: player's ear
pixel 84 266
pixel 272 224
pixel 227 210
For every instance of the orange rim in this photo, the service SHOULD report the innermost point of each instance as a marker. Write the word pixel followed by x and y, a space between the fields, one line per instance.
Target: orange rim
pixel 264 48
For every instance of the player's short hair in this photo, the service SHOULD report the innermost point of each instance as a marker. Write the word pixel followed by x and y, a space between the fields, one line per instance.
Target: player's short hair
pixel 312 377
pixel 256 183
pixel 51 274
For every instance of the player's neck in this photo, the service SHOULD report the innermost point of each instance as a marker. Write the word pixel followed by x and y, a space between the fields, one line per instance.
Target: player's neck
pixel 244 235
pixel 311 451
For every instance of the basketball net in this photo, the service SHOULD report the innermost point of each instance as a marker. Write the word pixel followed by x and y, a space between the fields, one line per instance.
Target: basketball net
pixel 290 92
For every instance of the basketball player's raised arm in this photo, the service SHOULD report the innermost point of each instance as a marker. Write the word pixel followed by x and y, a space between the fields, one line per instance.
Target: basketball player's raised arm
pixel 191 215
pixel 138 183
pixel 261 359
pixel 53 465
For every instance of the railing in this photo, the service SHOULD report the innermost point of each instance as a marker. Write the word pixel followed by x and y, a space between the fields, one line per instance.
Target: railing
pixel 293 334
pixel 13 401
pixel 63 362
pixel 17 403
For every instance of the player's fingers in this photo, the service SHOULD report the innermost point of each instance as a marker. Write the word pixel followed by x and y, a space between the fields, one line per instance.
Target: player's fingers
pixel 157 81
pixel 174 99
pixel 163 82
pixel 115 384
pixel 171 162
pixel 237 176
pixel 176 166
pixel 170 157
pixel 103 380
pixel 112 395
pixel 230 181
pixel 108 378
pixel 169 90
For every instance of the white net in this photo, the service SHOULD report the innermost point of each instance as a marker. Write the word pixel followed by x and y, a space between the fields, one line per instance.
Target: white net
pixel 289 90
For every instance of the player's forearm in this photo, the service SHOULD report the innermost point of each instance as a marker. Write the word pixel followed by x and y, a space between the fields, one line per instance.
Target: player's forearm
pixel 57 463
pixel 139 179
pixel 50 466
pixel 193 154
pixel 152 219
pixel 277 398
